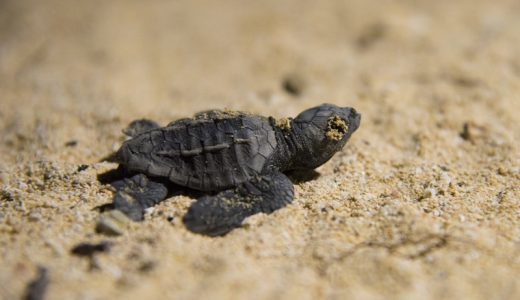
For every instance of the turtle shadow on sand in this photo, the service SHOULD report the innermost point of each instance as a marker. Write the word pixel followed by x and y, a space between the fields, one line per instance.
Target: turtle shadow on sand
pixel 235 164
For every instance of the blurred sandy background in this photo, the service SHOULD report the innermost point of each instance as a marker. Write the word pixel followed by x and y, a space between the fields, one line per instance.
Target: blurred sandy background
pixel 423 203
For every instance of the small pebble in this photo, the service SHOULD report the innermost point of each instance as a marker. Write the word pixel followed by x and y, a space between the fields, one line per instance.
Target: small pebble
pixel 56 248
pixel 35 216
pixel 429 193
pixel 502 171
pixel 149 210
pixel 112 222
pixel 462 218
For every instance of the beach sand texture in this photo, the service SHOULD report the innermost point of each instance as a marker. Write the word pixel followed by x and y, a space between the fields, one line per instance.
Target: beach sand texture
pixel 423 202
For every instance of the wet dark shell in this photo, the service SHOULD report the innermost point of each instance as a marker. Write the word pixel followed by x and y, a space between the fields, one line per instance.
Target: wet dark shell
pixel 207 153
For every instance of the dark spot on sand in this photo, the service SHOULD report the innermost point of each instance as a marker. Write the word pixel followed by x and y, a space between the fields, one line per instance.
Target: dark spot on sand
pixel 147 266
pixel 465 134
pixel 71 143
pixel 465 81
pixel 88 249
pixel 36 289
pixel 370 35
pixel 82 168
pixel 293 84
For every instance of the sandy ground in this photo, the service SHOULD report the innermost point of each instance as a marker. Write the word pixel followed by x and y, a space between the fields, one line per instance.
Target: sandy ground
pixel 424 202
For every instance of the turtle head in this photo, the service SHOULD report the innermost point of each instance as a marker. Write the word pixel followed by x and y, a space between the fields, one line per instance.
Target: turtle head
pixel 322 131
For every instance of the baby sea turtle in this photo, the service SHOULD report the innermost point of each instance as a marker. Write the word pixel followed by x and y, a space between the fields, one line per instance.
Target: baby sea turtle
pixel 234 158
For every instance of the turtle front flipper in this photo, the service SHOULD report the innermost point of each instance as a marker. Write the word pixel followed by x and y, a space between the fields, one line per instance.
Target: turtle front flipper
pixel 219 214
pixel 137 193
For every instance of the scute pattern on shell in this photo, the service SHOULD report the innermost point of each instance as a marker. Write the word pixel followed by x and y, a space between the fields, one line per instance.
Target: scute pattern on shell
pixel 205 153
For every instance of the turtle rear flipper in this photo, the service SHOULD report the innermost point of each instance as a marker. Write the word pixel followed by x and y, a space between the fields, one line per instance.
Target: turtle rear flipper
pixel 134 195
pixel 137 127
pixel 134 129
pixel 221 213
